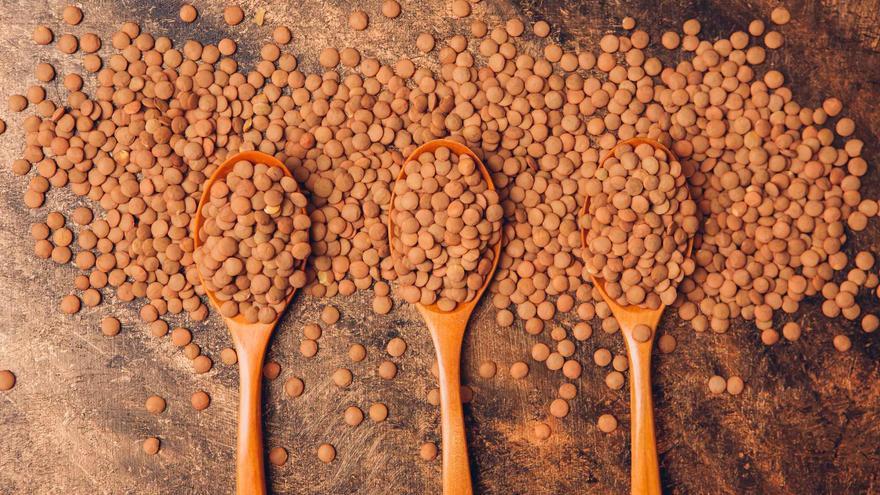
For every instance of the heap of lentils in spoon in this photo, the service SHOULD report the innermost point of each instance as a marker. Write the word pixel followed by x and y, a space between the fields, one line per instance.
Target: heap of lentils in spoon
pixel 445 221
pixel 254 240
pixel 639 221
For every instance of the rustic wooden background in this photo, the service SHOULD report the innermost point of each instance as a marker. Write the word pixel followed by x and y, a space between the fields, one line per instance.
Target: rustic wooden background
pixel 807 423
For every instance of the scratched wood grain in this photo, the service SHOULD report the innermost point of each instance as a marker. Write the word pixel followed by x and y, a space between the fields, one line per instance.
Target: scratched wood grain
pixel 807 422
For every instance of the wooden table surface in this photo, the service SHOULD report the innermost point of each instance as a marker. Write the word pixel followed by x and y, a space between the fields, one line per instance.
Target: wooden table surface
pixel 807 422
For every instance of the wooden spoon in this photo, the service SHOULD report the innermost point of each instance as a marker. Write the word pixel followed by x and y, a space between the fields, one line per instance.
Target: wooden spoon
pixel 447 331
pixel 645 470
pixel 251 341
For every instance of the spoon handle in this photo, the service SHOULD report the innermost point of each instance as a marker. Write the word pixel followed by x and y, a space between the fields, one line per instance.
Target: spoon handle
pixel 456 468
pixel 645 469
pixel 250 477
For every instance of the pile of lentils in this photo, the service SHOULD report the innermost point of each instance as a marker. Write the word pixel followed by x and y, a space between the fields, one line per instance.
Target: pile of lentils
pixel 445 220
pixel 639 221
pixel 775 184
pixel 254 241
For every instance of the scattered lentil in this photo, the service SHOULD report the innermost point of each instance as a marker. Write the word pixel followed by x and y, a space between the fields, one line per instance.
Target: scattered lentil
pixel 666 343
pixel 271 370
pixel 780 16
pixel 326 453
pixel 387 370
pixel 615 380
pixel 842 343
pixel 428 451
pixel 396 347
pixel 353 416
pixel 342 377
pixel 278 456
pixel 607 423
pixel 233 15
pixel 488 369
pixel 7 380
pixel 72 15
pixel 791 331
pixel 870 323
pixel 390 9
pixel 329 315
pixel 378 412
pixel 155 404
pixel 735 385
pixel 42 35
pixel 519 370
pixel 70 304
pixel 200 400
pixel 358 20
pixel 541 29
pixel 228 356
pixel 357 353
pixel 188 13
pixel 202 364
pixel 110 326
pixel 717 384
pixel 461 8
pixel 559 408
pixel 293 387
pixel 151 446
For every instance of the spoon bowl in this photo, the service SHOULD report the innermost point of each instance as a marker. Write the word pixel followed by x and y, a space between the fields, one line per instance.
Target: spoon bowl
pixel 251 341
pixel 645 470
pixel 447 332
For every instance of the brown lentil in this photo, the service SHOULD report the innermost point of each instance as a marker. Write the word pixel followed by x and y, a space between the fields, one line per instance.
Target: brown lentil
pixel 233 15
pixel 342 377
pixel 607 423
pixel 488 369
pixel 461 8
pixel 7 380
pixel 155 404
pixel 200 400
pixel 326 453
pixel 717 384
pixel 842 343
pixel 378 412
pixel 390 9
pixel 188 13
pixel 428 451
pixel 42 35
pixel 735 385
pixel 387 370
pixel 228 356
pixel 72 15
pixel 780 16
pixel 202 364
pixel 293 387
pixel 151 446
pixel 396 347
pixel 271 370
pixel 519 370
pixel 559 408
pixel 278 456
pixel 110 326
pixel 358 20
pixel 353 416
